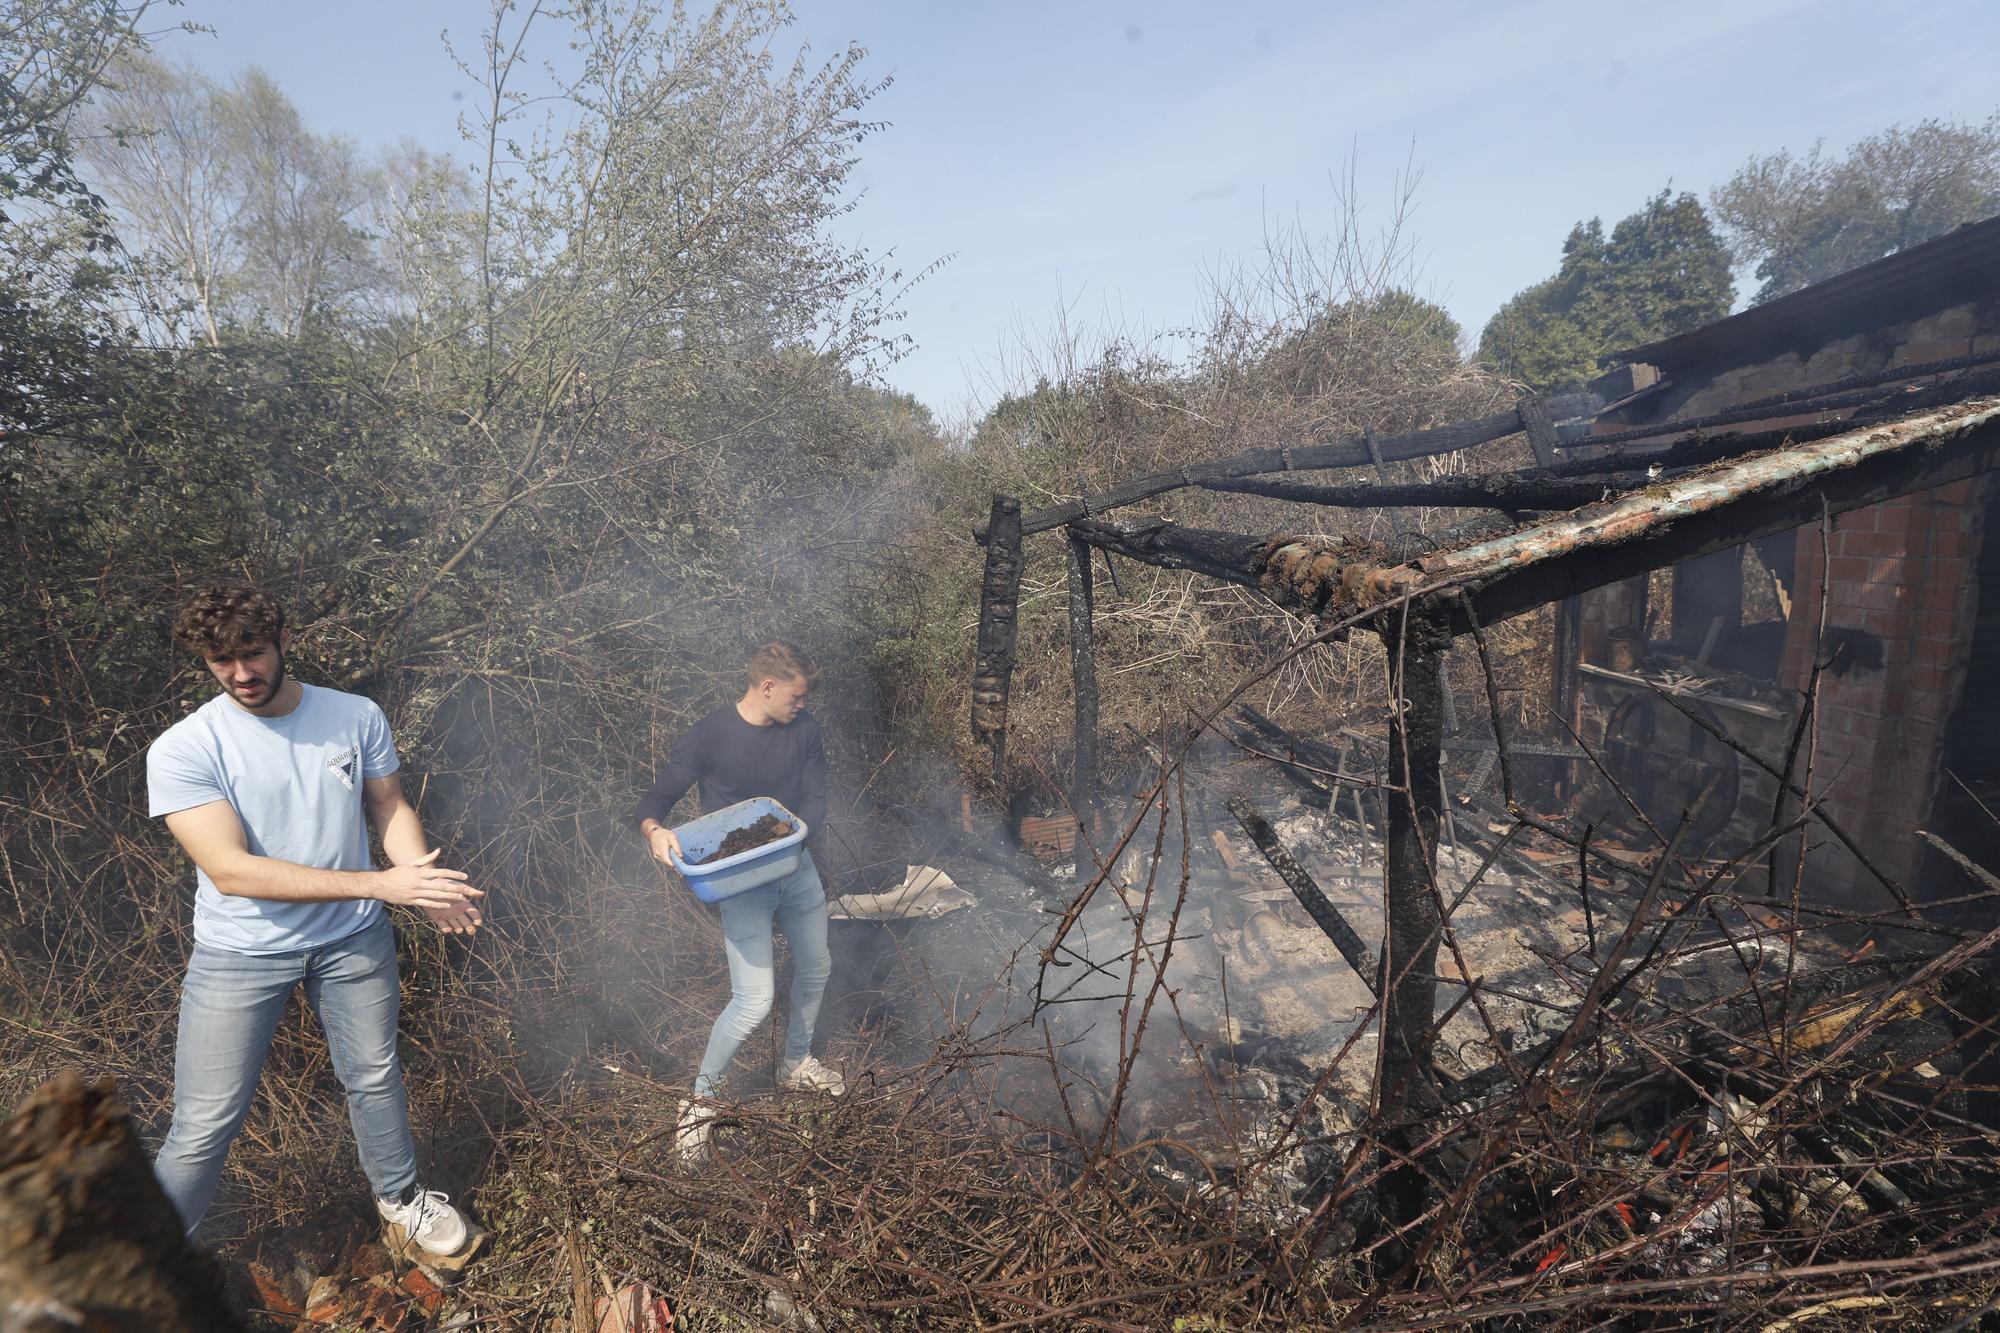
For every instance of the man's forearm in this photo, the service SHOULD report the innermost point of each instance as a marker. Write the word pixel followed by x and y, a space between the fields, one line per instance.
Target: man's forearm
pixel 247 875
pixel 403 835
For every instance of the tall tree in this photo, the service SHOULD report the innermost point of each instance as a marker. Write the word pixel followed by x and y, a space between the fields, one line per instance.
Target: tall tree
pixel 1661 272
pixel 154 146
pixel 1799 220
pixel 304 252
pixel 235 211
pixel 52 280
pixel 52 53
pixel 649 230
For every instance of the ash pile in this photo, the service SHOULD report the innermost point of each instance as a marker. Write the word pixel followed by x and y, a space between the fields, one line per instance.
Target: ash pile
pixel 1186 999
pixel 1632 1082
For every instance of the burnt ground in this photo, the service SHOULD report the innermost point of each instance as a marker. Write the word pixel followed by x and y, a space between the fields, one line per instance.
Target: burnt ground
pixel 950 1181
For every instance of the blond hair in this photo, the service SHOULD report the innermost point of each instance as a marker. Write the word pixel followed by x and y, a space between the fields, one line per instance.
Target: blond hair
pixel 779 660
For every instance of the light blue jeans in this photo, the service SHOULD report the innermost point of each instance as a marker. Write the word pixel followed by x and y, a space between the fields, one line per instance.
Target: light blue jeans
pixel 230 1005
pixel 796 905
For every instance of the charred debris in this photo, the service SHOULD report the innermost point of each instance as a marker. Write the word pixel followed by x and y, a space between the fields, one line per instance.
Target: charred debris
pixel 1755 1073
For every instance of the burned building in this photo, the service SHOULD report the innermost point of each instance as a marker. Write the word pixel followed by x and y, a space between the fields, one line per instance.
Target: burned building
pixel 1760 547
pixel 1888 598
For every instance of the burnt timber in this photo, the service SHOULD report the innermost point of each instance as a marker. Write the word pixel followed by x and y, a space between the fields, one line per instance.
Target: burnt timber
pixel 1359 451
pixel 1697 514
pixel 999 600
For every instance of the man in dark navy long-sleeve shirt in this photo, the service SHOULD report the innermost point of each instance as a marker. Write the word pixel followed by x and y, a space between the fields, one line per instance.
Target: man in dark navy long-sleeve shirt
pixel 733 759
pixel 764 744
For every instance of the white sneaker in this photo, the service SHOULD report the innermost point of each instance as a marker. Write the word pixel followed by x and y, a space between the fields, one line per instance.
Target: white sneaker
pixel 429 1220
pixel 809 1075
pixel 691 1131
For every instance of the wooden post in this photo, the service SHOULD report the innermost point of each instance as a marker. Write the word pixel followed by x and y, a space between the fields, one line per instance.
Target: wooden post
pixel 87 1237
pixel 999 606
pixel 1415 644
pixel 1564 676
pixel 1083 680
pixel 1415 640
pixel 1540 430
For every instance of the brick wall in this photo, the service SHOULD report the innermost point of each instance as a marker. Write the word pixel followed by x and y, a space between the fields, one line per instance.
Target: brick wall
pixel 1960 330
pixel 1904 574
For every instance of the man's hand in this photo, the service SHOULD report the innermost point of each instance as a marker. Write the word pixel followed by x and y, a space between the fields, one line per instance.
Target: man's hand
pixel 464 920
pixel 423 883
pixel 663 845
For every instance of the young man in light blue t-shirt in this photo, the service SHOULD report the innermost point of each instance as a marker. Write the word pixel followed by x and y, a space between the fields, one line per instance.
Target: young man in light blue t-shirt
pixel 269 788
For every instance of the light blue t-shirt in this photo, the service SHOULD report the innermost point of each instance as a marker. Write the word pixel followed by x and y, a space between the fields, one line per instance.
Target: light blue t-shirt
pixel 295 782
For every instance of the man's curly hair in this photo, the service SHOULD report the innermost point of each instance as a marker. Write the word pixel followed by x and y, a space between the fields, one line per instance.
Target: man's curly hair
pixel 228 618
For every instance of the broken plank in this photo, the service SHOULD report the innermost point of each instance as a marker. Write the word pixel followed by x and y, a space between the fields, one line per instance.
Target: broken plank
pixel 1324 914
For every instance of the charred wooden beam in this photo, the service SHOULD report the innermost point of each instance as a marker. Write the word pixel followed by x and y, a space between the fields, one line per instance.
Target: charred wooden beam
pixel 1859 391
pixel 999 610
pixel 1083 681
pixel 1416 639
pixel 1306 764
pixel 1712 510
pixel 1306 575
pixel 1662 524
pixel 1231 556
pixel 1321 909
pixel 1567 654
pixel 1540 430
pixel 1354 452
pixel 1510 492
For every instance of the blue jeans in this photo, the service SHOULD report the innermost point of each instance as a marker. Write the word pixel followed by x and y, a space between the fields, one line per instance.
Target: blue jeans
pixel 796 904
pixel 230 1006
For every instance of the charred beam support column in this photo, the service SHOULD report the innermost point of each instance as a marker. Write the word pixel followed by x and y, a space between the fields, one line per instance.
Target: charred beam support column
pixel 1564 672
pixel 1416 641
pixel 1415 638
pixel 999 607
pixel 1083 680
pixel 1540 430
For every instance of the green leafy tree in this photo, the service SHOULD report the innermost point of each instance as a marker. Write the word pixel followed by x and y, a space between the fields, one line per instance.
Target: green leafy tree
pixel 52 54
pixel 1662 271
pixel 1799 220
pixel 53 278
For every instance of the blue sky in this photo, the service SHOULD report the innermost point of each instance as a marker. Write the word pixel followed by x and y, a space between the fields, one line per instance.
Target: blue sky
pixel 1101 158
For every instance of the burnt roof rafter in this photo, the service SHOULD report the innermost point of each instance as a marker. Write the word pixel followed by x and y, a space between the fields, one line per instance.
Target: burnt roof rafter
pixel 1570 412
pixel 1505 574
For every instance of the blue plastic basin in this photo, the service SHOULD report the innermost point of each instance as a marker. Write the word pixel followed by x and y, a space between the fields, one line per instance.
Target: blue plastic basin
pixel 732 875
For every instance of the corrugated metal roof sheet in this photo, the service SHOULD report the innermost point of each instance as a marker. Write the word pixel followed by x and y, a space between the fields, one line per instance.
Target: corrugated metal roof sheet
pixel 1961 265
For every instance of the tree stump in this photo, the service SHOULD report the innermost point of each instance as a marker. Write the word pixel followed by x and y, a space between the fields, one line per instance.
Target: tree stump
pixel 87 1238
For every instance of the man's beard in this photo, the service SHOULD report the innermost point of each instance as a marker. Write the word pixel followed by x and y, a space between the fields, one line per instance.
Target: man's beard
pixel 276 683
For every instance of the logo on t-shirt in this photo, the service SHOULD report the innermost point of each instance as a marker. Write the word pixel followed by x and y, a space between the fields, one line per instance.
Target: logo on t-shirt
pixel 346 766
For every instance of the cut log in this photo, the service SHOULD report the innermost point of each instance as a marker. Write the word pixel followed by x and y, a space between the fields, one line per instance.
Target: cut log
pixel 87 1238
